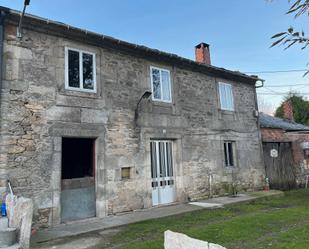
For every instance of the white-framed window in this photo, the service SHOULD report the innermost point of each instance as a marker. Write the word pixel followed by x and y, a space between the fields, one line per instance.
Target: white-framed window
pixel 161 84
pixel 226 96
pixel 229 153
pixel 80 70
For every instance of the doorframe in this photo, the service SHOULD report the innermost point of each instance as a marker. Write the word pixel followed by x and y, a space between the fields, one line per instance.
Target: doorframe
pixel 158 169
pixel 93 169
pixel 176 137
pixel 77 131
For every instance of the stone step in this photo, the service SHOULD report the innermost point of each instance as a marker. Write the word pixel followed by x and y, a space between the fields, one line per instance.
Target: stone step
pixel 15 246
pixel 7 237
pixel 4 223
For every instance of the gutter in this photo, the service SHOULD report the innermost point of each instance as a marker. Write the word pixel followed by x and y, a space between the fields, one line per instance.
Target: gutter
pixel 2 18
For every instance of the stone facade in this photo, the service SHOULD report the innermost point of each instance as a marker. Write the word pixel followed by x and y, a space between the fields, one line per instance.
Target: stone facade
pixel 37 111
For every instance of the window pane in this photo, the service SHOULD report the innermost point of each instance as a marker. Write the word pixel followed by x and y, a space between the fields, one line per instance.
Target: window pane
pixel 162 159
pixel 73 64
pixel 225 155
pixel 226 96
pixel 231 156
pixel 153 159
pixel 222 96
pixel 156 84
pixel 230 97
pixel 169 158
pixel 166 85
pixel 88 81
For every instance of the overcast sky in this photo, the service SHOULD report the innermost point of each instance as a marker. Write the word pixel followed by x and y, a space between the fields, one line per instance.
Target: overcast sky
pixel 238 31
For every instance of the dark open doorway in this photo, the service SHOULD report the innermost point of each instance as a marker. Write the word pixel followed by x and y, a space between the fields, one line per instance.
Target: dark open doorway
pixel 77 158
pixel 78 179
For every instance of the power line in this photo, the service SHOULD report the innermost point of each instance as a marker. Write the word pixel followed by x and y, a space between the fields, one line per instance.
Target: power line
pixel 305 84
pixel 279 94
pixel 279 71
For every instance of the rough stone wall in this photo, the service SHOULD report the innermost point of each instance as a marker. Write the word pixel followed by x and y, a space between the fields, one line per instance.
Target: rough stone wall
pixel 36 112
pixel 279 135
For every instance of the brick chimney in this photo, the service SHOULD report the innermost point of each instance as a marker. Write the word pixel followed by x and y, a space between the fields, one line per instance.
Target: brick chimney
pixel 288 110
pixel 202 54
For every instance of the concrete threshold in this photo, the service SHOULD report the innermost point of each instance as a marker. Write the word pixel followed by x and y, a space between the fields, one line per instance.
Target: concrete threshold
pixel 96 224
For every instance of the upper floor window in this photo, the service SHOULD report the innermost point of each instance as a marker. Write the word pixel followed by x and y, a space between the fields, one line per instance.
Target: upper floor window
pixel 161 84
pixel 226 96
pixel 80 73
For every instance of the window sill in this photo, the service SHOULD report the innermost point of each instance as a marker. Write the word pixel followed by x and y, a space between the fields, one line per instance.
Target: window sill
pixel 225 111
pixel 161 102
pixel 79 93
pixel 80 90
pixel 230 168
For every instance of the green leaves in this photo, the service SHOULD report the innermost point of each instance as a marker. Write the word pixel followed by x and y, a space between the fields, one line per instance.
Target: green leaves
pixel 278 41
pixel 290 37
pixel 299 7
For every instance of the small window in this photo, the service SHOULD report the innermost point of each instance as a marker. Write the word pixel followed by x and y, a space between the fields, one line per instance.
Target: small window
pixel 226 96
pixel 161 84
pixel 229 153
pixel 80 71
pixel 306 154
pixel 125 173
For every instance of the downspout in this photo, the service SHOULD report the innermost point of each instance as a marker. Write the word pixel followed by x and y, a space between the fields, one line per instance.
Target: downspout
pixel 259 127
pixel 3 176
pixel 2 17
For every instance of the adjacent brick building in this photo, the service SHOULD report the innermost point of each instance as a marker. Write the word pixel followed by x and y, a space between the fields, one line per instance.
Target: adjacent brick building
pixel 294 137
pixel 92 126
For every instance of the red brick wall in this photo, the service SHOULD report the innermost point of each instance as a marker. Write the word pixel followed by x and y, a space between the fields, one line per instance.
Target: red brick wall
pixel 278 135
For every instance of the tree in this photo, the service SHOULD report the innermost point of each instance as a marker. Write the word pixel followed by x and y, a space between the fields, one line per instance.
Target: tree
pixel 300 108
pixel 291 37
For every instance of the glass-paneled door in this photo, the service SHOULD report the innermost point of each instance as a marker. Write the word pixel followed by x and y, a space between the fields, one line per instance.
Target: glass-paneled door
pixel 162 172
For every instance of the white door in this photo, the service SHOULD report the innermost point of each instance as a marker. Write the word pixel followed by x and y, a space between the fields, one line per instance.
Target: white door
pixel 163 183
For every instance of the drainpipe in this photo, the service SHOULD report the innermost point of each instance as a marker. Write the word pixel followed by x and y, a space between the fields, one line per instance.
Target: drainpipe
pixel 259 127
pixel 2 17
pixel 3 176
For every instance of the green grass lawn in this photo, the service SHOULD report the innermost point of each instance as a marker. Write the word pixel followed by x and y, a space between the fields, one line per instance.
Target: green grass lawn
pixel 276 222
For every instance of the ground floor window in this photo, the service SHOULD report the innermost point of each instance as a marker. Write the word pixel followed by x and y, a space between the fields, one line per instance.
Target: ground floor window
pixel 306 154
pixel 229 153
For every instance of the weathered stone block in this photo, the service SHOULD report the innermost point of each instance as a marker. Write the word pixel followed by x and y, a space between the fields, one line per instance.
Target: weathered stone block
pixel 174 240
pixel 93 116
pixel 20 212
pixel 16 149
pixel 60 113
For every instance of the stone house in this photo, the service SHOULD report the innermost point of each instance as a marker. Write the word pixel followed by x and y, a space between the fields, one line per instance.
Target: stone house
pixel 286 149
pixel 93 126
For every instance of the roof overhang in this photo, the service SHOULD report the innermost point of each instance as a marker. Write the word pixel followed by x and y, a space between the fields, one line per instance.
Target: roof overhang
pixel 59 29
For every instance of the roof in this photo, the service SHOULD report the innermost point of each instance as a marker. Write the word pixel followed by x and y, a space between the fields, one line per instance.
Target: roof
pixel 40 24
pixel 267 121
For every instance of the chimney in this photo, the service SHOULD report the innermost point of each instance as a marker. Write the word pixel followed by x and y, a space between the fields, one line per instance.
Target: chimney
pixel 288 110
pixel 202 53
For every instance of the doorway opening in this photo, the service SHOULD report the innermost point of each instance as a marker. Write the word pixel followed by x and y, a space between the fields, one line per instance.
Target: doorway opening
pixel 77 158
pixel 78 179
